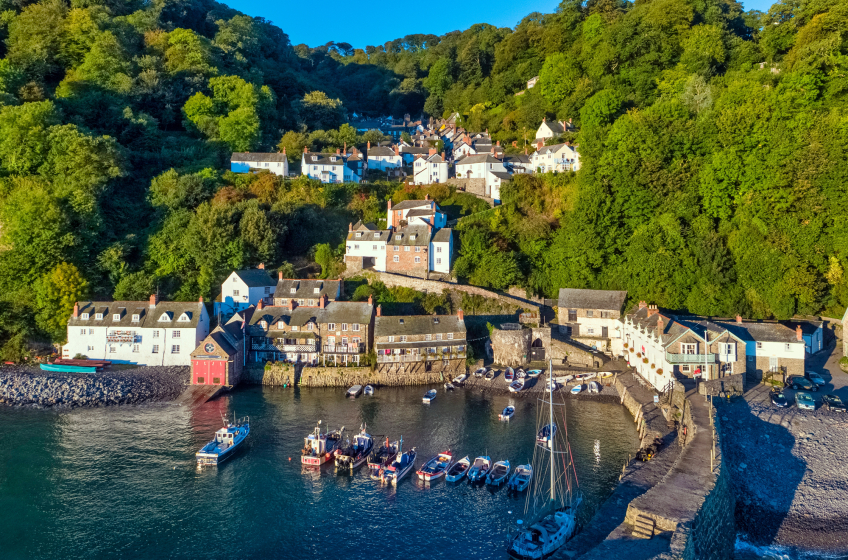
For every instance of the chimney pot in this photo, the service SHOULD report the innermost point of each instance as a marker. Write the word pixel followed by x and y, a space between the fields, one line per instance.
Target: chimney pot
pixel 369 145
pixel 261 266
pixel 370 299
pixel 76 309
pixel 799 334
pixel 350 226
pixel 284 151
pixel 305 150
pixel 642 305
pixel 338 151
pixel 739 319
pixel 154 300
pixel 461 315
pixel 323 301
pixel 200 300
pixel 379 311
pixel 261 305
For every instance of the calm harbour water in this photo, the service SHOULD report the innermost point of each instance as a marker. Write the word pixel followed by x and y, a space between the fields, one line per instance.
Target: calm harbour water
pixel 122 483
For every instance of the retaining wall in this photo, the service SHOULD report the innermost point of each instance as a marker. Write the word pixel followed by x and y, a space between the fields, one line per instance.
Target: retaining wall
pixel 730 384
pixel 280 374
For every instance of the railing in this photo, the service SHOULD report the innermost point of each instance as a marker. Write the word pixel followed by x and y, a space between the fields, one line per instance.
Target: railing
pixel 406 358
pixel 344 349
pixel 690 358
pixel 271 347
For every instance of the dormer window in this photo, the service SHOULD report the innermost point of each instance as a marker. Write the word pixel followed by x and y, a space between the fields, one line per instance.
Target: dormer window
pixel 314 158
pixel 135 318
pixel 263 324
pixel 412 237
pixel 358 235
pixel 165 317
pixel 116 316
pixel 376 236
pixel 85 316
pixel 98 316
pixel 316 290
pixel 184 318
pixel 436 320
pixel 293 290
pixel 281 325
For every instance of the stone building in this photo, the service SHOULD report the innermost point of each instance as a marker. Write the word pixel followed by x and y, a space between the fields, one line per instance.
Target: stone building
pixel 514 345
pixel 305 292
pixel 771 346
pixel 592 317
pixel 420 342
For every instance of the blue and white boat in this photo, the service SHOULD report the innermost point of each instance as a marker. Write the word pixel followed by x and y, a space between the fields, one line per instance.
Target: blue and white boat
pixel 498 474
pixel 546 434
pixel 520 479
pixel 479 469
pixel 507 413
pixel 576 389
pixel 224 445
pixel 400 467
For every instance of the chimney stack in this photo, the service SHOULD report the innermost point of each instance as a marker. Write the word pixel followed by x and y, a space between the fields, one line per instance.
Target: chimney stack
pixel 76 309
pixel 284 151
pixel 305 151
pixel 369 145
pixel 379 311
pixel 443 156
pixel 799 334
pixel 292 305
pixel 652 310
pixel 350 226
pixel 642 305
pixel 261 266
pixel 322 301
pixel 396 150
pixel 341 288
pixel 261 305
pixel 432 151
pixel 345 148
pixel 370 299
pixel 461 315
pixel 739 319
pixel 660 325
pixel 200 299
pixel 338 151
pixel 154 300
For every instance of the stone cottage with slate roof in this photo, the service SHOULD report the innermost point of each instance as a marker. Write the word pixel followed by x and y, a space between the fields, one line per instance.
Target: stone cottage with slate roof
pixel 335 332
pixel 220 358
pixel 366 247
pixel 591 317
pixel 774 347
pixel 149 333
pixel 415 343
pixel 306 292
pixel 246 162
pixel 244 288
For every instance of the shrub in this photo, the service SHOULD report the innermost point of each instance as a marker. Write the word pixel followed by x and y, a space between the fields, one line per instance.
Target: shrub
pixel 638 354
pixel 653 366
pixel 644 360
pixel 659 371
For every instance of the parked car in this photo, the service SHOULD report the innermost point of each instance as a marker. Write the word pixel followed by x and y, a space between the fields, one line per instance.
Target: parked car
pixel 779 399
pixel 805 401
pixel 798 382
pixel 833 403
pixel 815 378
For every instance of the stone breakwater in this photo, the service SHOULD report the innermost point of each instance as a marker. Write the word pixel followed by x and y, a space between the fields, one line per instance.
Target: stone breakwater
pixel 34 387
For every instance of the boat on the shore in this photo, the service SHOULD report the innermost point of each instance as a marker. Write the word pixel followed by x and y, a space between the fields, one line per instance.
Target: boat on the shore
pixel 516 386
pixel 490 374
pixel 520 479
pixel 594 387
pixel 354 391
pixel 458 380
pixel 224 444
pixel 368 390
pixel 551 385
pixel 480 372
pixel 356 453
pixel 436 467
pixel 67 369
pixel 576 389
pixel 534 372
pixel 546 434
pixel 479 469
pixel 520 373
pixel 319 448
pixel 449 387
pixel 509 375
pixel 498 474
pixel 382 457
pixel 507 413
pixel 429 396
pixel 458 470
pixel 400 467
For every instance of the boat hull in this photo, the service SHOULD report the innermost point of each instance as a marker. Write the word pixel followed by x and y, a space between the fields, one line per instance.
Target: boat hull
pixel 315 460
pixel 205 458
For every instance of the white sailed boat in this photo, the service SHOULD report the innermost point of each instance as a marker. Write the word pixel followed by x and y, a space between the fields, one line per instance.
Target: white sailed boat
pixel 354 391
pixel 520 479
pixel 368 390
pixel 458 470
pixel 498 474
pixel 507 413
pixel 594 388
pixel 224 444
pixel 553 487
pixel 516 386
pixel 479 469
pixel 429 396
pixel 576 389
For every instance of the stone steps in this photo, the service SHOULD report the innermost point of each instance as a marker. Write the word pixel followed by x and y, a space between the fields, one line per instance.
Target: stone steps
pixel 643 527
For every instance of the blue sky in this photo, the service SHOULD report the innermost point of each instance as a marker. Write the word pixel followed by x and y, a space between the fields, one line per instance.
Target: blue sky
pixel 362 24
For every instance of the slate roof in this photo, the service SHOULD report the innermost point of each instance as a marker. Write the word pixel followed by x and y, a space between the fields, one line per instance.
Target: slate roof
pixel 405 236
pixel 335 312
pixel 612 300
pixel 221 338
pixel 149 317
pixel 414 150
pixel 443 235
pixel 257 156
pixel 369 226
pixel 411 204
pixel 766 331
pixel 419 324
pixel 255 277
pixel 305 289
pixel 502 175
pixel 478 158
pixel 553 148
pixel 380 151
pixel 323 159
pixel 520 158
pixel 422 212
pixel 555 126
pixel 369 235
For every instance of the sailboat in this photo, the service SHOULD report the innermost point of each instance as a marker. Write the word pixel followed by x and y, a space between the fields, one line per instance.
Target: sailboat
pixel 555 508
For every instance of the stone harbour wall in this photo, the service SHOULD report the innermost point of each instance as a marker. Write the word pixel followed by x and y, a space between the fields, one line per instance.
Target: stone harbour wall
pixel 732 384
pixel 511 348
pixel 285 374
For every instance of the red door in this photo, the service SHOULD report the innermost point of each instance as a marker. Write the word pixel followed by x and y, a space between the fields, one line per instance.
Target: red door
pixel 199 374
pixel 217 372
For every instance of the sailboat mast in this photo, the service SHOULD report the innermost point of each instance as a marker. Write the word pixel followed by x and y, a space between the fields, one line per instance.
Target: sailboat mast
pixel 551 406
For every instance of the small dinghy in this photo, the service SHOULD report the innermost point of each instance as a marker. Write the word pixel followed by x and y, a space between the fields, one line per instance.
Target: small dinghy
pixel 520 479
pixel 551 385
pixel 480 372
pixel 507 413
pixel 589 375
pixel 516 386
pixel 576 389
pixel 400 467
pixel 458 470
pixel 509 375
pixel 546 434
pixel 490 374
pixel 534 372
pixel 594 388
pixel 521 374
pixel 354 391
pixel 429 396
pixel 368 390
pixel 224 444
pixel 480 469
pixel 436 467
pixel 382 458
pixel 449 387
pixel 498 474
pixel 459 379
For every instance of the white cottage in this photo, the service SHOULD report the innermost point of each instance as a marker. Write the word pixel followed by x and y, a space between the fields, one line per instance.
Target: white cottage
pixel 430 169
pixel 383 157
pixel 327 168
pixel 245 162
pixel 484 166
pixel 557 157
pixel 244 288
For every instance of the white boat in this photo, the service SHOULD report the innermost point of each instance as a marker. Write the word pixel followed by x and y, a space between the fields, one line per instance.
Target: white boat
pixel 368 390
pixel 594 388
pixel 498 474
pixel 520 373
pixel 480 372
pixel 404 462
pixel 551 385
pixel 459 379
pixel 429 396
pixel 534 372
pixel 479 469
pixel 224 444
pixel 520 479
pixel 546 434
pixel 555 520
pixel 449 387
pixel 507 413
pixel 458 470
pixel 516 386
pixel 436 467
pixel 509 375
pixel 576 389
pixel 319 448
pixel 352 456
pixel 490 374
pixel 590 375
pixel 354 391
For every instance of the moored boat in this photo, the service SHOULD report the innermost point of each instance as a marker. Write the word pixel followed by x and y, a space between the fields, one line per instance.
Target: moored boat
pixel 520 373
pixel 449 387
pixel 224 444
pixel 319 448
pixel 520 479
pixel 368 390
pixel 507 413
pixel 594 387
pixel 576 389
pixel 354 391
pixel 479 469
pixel 67 369
pixel 459 379
pixel 400 467
pixel 436 467
pixel 551 385
pixel 509 375
pixel 498 474
pixel 458 470
pixel 534 372
pixel 516 386
pixel 382 457
pixel 490 374
pixel 354 455
pixel 429 396
pixel 546 434
pixel 480 372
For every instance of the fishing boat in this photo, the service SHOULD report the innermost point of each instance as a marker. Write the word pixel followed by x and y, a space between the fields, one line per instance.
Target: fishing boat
pixel 479 469
pixel 354 391
pixel 449 387
pixel 480 372
pixel 382 458
pixel 368 390
pixel 534 372
pixel 429 396
pixel 520 373
pixel 520 479
pixel 546 434
pixel 458 470
pixel 490 374
pixel 576 389
pixel 352 456
pixel 498 474
pixel 225 442
pixel 509 375
pixel 319 448
pixel 516 386
pixel 458 380
pixel 436 467
pixel 400 467
pixel 554 514
pixel 67 369
pixel 507 413
pixel 594 388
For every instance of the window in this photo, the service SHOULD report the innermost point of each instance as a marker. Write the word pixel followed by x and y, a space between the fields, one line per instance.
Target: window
pixel 344 326
pixel 281 325
pixel 155 334
pixel 263 324
pixel 344 341
pixel 590 331
pixel 267 290
pixel 294 290
pixel 397 248
pixel 112 349
pixel 688 348
pixel 418 249
pixel 82 331
pixel 355 327
pixel 300 302
pixel 91 331
pixel 235 293
pixel 376 236
pixel 155 348
pixel 310 326
pixel 727 349
pixel 314 158
pixel 184 318
pixel 391 339
pixel 406 248
pixel 85 316
pixel 201 380
pixel 175 349
pixel 590 313
pixel 356 246
pixel 417 260
pixel 450 336
pixel 116 316
pixel 135 318
pixel 294 327
pixel 135 348
pixel 358 235
pixel 428 337
pixel 396 258
pixel 355 340
pixel 374 247
pixel 216 380
pixel 312 302
pixel 438 261
pixel 90 347
pixel 788 347
pixel 331 326
pixel 759 346
pixel 439 336
pixel 685 369
pixel 316 290
pixel 605 314
pixel 439 249
pixel 403 338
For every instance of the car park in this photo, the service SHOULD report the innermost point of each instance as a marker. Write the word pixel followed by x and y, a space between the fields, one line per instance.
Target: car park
pixel 815 378
pixel 798 382
pixel 779 399
pixel 833 403
pixel 805 401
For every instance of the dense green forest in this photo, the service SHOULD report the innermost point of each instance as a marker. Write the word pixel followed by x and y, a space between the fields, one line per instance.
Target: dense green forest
pixel 713 142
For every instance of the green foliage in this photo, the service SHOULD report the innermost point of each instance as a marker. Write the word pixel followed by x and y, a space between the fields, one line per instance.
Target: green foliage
pixel 318 111
pixel 56 293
